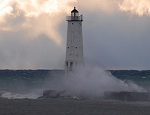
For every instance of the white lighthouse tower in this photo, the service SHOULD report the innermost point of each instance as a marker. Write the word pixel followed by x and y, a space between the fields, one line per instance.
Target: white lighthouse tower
pixel 74 46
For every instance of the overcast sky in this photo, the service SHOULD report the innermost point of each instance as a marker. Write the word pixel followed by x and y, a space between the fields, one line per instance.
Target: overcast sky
pixel 33 34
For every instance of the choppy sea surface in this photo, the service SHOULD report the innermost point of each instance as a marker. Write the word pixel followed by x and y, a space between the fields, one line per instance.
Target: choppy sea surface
pixel 141 78
pixel 22 83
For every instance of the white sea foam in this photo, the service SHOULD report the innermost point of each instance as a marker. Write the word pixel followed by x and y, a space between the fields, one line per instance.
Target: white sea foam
pixel 10 95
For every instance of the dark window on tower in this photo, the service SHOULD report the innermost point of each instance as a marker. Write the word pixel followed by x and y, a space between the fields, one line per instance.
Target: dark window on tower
pixel 76 47
pixel 72 23
pixel 68 47
pixel 71 65
pixel 66 63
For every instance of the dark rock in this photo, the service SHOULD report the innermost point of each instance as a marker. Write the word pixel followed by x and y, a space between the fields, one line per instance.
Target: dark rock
pixel 52 94
pixel 127 96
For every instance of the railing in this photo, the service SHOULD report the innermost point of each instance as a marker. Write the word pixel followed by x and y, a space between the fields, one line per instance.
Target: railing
pixel 74 18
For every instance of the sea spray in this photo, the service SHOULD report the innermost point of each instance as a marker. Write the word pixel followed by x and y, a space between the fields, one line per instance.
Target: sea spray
pixel 10 95
pixel 93 82
pixel 88 82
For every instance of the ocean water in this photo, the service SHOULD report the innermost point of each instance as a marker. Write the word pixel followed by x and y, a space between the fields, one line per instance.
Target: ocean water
pixel 141 78
pixel 21 84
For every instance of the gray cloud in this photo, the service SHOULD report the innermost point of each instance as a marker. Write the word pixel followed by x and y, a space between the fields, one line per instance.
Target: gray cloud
pixel 118 40
pixel 17 52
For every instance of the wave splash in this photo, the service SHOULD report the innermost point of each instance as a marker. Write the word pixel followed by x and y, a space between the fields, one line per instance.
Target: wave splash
pixel 90 82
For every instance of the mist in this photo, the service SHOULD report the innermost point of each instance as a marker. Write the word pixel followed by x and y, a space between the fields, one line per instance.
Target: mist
pixel 91 82
pixel 94 81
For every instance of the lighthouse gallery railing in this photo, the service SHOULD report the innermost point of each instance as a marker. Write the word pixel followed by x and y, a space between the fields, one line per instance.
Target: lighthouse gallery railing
pixel 74 18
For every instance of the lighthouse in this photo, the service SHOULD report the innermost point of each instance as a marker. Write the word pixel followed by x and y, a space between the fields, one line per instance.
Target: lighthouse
pixel 74 45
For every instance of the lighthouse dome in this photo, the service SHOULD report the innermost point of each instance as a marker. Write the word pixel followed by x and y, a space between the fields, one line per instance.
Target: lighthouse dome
pixel 74 10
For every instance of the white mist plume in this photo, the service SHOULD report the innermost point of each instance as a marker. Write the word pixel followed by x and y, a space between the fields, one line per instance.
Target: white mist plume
pixel 94 82
pixel 91 82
